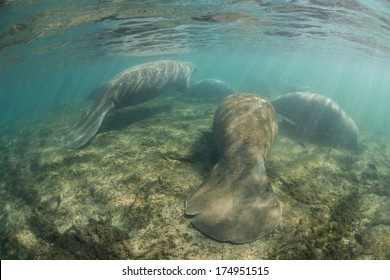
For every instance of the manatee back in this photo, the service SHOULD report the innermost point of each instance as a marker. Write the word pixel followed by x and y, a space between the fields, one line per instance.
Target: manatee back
pixel 245 120
pixel 236 203
pixel 144 82
pixel 210 89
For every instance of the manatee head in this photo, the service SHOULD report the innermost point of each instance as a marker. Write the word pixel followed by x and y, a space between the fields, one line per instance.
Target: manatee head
pixel 347 135
pixel 192 66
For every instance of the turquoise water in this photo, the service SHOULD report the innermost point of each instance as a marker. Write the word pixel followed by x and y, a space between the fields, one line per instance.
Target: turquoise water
pixel 54 52
pixel 133 178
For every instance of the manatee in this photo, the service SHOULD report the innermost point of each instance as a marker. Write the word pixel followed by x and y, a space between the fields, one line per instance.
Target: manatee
pixel 317 118
pixel 209 88
pixel 133 86
pixel 236 203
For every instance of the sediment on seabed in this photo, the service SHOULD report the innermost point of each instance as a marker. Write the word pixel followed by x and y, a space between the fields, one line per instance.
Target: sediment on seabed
pixel 122 196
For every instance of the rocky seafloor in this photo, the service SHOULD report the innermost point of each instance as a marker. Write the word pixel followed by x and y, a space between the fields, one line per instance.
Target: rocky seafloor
pixel 122 196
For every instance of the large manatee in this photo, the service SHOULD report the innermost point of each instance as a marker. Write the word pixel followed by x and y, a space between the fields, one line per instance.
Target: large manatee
pixel 133 86
pixel 236 203
pixel 316 117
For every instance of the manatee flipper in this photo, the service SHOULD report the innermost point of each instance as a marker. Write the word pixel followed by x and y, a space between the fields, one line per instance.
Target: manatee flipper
pixel 236 203
pixel 87 127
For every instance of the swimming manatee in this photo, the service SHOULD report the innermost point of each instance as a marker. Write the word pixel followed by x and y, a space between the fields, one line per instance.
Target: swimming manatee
pixel 210 89
pixel 236 203
pixel 133 86
pixel 317 118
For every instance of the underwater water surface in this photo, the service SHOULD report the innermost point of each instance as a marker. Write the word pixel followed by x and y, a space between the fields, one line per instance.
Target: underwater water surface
pixel 122 195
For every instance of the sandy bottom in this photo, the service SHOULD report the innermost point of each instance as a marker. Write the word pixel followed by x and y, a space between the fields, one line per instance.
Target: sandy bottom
pixel 122 196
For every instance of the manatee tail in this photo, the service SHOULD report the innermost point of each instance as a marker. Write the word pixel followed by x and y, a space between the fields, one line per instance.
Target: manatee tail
pixel 87 127
pixel 235 204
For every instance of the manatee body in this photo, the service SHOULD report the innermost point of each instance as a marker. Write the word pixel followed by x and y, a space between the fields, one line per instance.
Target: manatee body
pixel 236 203
pixel 318 118
pixel 133 86
pixel 210 89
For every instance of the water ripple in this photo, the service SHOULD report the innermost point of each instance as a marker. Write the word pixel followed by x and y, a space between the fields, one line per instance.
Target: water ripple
pixel 155 27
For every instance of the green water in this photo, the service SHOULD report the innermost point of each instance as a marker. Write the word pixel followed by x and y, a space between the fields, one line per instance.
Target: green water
pixel 133 177
pixel 54 52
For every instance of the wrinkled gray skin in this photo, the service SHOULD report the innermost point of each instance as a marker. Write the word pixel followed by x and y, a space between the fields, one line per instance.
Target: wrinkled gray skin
pixel 209 88
pixel 315 117
pixel 133 86
pixel 236 202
